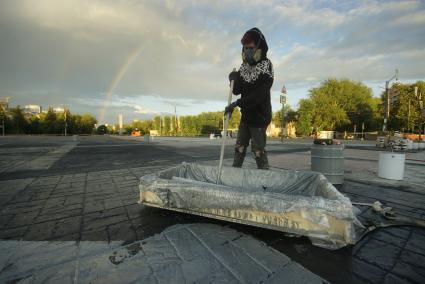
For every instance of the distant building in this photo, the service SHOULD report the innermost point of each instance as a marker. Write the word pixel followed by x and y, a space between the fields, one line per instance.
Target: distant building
pixel 32 109
pixel 273 130
pixel 120 124
pixel 289 130
pixel 4 103
pixel 58 109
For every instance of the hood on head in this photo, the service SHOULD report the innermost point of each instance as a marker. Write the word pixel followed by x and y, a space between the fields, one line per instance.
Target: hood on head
pixel 256 36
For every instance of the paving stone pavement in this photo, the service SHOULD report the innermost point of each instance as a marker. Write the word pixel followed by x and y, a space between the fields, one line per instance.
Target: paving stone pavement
pixel 193 253
pixel 16 159
pixel 75 201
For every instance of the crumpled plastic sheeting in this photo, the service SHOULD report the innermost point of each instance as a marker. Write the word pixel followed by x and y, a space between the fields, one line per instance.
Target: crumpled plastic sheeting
pixel 296 202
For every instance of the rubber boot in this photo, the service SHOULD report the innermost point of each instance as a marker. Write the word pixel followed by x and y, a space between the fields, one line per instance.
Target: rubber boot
pixel 238 159
pixel 262 161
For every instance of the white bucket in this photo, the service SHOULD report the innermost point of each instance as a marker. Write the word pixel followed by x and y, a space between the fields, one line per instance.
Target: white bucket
pixel 415 146
pixel 409 144
pixel 391 165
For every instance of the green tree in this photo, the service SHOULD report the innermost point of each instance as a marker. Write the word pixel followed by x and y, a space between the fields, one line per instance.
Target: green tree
pixel 167 125
pixel 75 125
pixel 51 125
pixel 157 123
pixel 87 124
pixel 234 119
pixel 4 120
pixel 337 105
pixel 34 125
pixel 304 125
pixel 405 112
pixel 288 116
pixel 18 120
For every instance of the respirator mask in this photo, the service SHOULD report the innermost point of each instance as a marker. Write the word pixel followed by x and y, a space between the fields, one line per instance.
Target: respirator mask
pixel 252 54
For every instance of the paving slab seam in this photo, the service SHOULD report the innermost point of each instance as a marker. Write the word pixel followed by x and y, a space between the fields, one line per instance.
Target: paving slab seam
pixel 174 246
pixel 46 159
pixel 151 268
pixel 125 208
pixel 374 265
pixel 30 271
pixel 20 191
pixel 75 257
pixel 77 264
pixel 35 217
pixel 367 280
pixel 386 270
pixel 217 257
pixel 254 259
pixel 43 206
pixel 399 254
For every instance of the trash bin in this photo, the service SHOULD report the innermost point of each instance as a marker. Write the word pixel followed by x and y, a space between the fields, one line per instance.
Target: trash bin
pixel 329 160
pixel 391 165
pixel 146 138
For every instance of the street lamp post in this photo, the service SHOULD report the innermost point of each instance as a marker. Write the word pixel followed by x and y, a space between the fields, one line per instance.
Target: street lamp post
pixel 387 91
pixel 4 105
pixel 421 107
pixel 283 101
pixel 65 120
pixel 3 118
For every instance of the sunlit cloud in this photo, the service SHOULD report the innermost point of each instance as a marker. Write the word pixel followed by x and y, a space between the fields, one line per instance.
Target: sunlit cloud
pixel 57 50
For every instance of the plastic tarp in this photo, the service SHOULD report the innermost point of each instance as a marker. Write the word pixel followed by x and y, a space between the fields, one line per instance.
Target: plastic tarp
pixel 296 202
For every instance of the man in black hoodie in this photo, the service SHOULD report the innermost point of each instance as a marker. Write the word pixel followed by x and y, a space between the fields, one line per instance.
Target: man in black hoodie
pixel 253 82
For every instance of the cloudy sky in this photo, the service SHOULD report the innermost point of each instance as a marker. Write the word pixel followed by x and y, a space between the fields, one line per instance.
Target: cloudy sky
pixel 142 58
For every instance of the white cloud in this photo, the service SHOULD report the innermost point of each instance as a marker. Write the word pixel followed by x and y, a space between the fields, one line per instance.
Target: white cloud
pixel 77 47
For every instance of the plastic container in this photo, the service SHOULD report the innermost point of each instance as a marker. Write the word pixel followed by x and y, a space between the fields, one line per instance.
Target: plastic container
pixel 409 144
pixel 415 146
pixel 329 160
pixel 391 165
pixel 146 138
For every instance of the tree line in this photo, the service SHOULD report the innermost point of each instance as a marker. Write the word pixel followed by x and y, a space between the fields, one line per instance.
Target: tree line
pixel 187 125
pixel 16 121
pixel 345 105
pixel 336 104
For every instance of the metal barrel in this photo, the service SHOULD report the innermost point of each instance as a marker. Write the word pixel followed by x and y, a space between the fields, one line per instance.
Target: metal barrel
pixel 329 160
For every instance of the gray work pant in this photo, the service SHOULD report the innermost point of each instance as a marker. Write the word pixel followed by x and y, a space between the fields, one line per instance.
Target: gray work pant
pixel 257 136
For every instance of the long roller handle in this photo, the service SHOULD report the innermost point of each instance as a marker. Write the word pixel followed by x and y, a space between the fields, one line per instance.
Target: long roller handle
pixel 225 125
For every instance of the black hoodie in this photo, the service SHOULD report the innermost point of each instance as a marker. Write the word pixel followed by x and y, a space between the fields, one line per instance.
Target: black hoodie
pixel 253 84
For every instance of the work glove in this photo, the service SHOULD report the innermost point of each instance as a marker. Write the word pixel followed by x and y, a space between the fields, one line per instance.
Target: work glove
pixel 233 76
pixel 229 109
